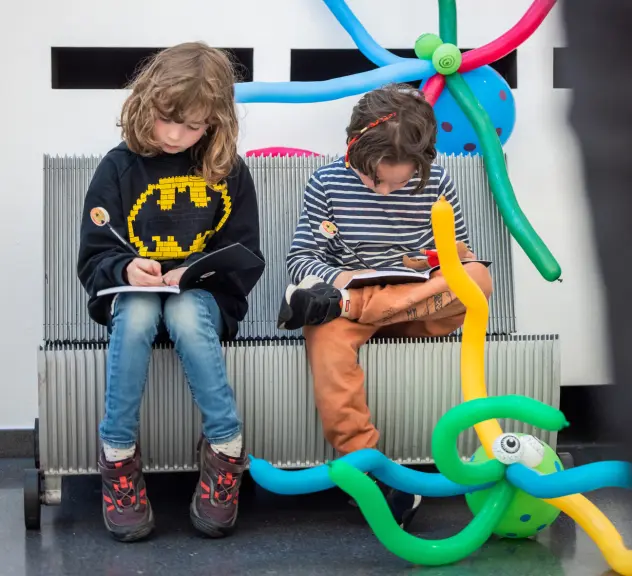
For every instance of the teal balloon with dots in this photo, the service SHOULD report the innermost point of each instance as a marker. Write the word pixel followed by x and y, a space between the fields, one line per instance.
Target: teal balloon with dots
pixel 455 134
pixel 526 516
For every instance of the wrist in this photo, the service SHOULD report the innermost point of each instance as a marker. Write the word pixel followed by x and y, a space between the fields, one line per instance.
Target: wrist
pixel 120 271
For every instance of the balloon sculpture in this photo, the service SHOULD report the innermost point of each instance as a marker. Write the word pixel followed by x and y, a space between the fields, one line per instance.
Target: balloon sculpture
pixel 514 485
pixel 466 76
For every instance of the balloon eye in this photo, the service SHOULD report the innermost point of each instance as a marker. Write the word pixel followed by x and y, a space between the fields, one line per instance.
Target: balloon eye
pixel 510 444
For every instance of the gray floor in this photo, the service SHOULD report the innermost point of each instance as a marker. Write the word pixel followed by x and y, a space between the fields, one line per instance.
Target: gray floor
pixel 318 534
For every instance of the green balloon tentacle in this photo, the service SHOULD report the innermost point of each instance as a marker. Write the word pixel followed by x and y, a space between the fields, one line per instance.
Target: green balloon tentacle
pixel 447 21
pixel 446 433
pixel 408 547
pixel 513 216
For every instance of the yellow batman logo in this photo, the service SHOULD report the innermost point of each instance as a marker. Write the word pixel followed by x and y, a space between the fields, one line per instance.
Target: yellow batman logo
pixel 174 218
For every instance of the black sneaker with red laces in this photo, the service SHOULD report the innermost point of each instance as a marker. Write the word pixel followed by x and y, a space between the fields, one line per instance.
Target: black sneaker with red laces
pixel 216 500
pixel 126 510
pixel 310 303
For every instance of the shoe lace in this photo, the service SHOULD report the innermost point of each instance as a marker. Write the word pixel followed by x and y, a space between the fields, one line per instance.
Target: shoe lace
pixel 226 489
pixel 124 490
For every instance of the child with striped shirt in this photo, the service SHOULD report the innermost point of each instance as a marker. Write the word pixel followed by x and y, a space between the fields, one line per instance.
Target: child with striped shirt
pixel 379 198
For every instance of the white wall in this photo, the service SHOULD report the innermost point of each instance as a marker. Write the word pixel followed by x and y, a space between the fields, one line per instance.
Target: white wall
pixel 38 120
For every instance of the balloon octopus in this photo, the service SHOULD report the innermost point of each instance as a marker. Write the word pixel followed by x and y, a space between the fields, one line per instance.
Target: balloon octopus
pixel 514 484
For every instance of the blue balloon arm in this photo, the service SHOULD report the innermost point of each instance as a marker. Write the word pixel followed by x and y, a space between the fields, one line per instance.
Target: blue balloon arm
pixel 408 70
pixel 573 481
pixel 363 40
pixel 392 474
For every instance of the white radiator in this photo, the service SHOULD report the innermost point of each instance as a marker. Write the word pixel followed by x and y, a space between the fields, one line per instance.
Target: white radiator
pixel 410 384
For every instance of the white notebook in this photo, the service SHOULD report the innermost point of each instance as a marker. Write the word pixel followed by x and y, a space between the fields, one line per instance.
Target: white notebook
pixel 117 289
pixel 227 259
pixel 385 277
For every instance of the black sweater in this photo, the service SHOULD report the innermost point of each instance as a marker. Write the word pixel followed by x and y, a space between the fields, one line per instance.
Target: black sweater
pixel 171 216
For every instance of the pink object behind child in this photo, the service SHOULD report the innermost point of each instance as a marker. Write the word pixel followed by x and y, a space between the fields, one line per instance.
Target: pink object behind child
pixel 280 151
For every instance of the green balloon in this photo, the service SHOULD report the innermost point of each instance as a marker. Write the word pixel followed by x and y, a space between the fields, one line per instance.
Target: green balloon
pixel 426 45
pixel 463 416
pixel 513 216
pixel 417 550
pixel 447 21
pixel 447 59
pixel 526 515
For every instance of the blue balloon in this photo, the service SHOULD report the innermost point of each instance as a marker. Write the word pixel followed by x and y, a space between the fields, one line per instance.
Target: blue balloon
pixel 573 481
pixel 565 483
pixel 455 134
pixel 361 38
pixel 368 460
pixel 407 70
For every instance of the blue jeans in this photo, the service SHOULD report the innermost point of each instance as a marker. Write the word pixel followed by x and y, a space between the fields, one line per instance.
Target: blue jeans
pixel 194 323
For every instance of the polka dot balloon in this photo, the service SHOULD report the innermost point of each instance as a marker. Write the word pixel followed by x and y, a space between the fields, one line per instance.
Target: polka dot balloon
pixel 455 134
pixel 526 516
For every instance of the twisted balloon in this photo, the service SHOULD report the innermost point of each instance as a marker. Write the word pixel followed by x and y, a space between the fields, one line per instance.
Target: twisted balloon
pixel 441 63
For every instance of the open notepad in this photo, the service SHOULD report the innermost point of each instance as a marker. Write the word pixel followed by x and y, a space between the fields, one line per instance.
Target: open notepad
pixel 229 259
pixel 118 289
pixel 386 277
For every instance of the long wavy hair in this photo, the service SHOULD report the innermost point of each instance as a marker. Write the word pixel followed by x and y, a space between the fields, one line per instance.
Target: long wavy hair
pixel 408 137
pixel 185 82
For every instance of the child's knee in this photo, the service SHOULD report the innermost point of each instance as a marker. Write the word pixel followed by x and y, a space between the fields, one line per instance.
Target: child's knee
pixel 480 274
pixel 137 312
pixel 187 313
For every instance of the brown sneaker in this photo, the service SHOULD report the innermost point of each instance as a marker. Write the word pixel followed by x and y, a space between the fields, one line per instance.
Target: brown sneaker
pixel 126 509
pixel 215 502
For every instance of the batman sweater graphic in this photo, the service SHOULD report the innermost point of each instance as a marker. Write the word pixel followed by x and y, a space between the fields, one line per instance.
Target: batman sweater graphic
pixel 168 214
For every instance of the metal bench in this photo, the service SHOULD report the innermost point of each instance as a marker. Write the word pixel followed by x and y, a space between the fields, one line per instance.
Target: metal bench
pixel 410 383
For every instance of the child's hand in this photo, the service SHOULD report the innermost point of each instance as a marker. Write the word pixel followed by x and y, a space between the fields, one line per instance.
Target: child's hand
pixel 172 278
pixel 144 272
pixel 345 276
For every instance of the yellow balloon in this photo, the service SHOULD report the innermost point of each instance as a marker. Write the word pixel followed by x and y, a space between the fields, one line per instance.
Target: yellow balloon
pixel 578 507
pixel 476 316
pixel 599 528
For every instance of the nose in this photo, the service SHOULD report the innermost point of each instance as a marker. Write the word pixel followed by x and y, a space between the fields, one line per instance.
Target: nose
pixel 174 133
pixel 383 189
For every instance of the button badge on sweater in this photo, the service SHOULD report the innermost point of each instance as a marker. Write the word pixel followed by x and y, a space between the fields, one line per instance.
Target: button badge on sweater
pixel 99 216
pixel 328 229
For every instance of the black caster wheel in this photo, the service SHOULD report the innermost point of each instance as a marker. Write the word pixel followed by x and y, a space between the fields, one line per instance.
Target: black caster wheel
pixel 567 460
pixel 32 499
pixel 36 449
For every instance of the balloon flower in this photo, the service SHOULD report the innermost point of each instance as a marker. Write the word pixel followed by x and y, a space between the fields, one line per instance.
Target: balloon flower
pixel 475 114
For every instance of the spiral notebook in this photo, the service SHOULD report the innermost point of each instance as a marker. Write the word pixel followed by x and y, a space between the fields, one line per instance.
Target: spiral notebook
pixel 229 259
pixel 388 277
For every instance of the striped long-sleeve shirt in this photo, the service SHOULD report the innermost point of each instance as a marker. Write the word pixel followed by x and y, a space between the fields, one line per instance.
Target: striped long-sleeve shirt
pixel 381 229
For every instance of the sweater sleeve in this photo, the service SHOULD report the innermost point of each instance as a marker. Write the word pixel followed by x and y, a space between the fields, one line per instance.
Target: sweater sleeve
pixel 308 252
pixel 448 190
pixel 102 258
